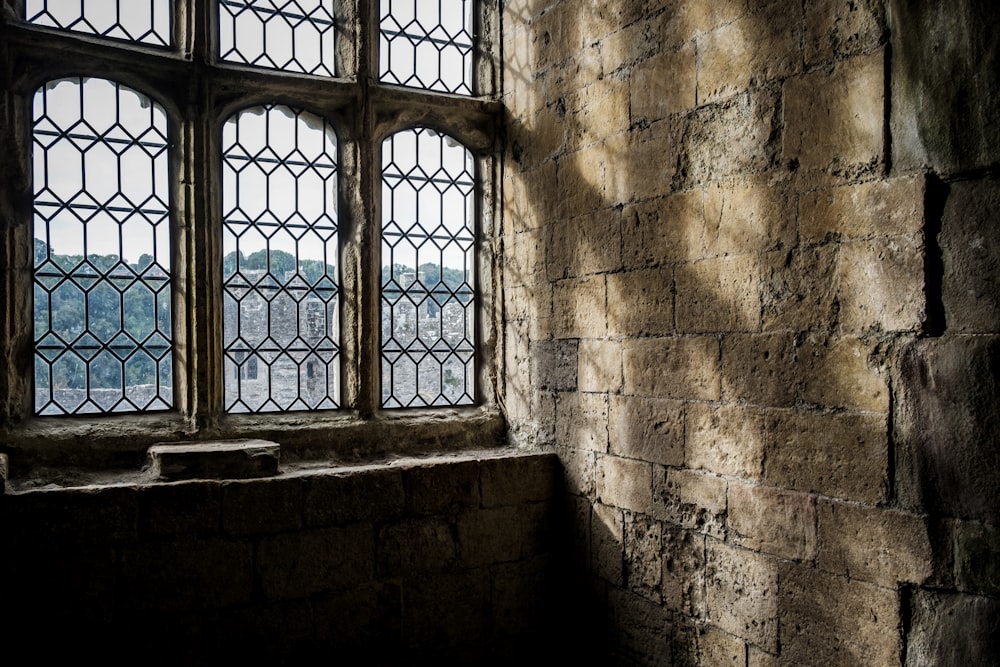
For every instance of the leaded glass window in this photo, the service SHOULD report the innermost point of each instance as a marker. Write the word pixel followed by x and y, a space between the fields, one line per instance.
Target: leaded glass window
pixel 286 35
pixel 102 319
pixel 143 21
pixel 427 44
pixel 428 271
pixel 281 291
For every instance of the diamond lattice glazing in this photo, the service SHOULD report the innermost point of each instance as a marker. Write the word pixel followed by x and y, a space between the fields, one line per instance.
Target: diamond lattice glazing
pixel 102 299
pixel 426 44
pixel 428 300
pixel 281 291
pixel 143 21
pixel 286 35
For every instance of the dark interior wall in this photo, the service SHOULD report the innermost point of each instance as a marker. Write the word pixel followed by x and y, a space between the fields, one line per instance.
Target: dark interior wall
pixel 443 561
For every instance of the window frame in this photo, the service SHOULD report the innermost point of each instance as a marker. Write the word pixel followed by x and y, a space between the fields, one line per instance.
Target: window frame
pixel 200 92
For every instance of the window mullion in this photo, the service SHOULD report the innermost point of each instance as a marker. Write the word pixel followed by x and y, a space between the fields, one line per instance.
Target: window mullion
pixel 367 233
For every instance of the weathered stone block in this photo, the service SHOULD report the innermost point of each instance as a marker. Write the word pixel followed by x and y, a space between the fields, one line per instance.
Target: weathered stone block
pixel 719 649
pixel 579 308
pixel 445 610
pixel 881 284
pixel 579 470
pixel 607 540
pixel 841 621
pixel 977 557
pixel 945 115
pixel 775 521
pixel 691 500
pixel 582 421
pixel 580 182
pixel 840 455
pixel 720 294
pixel 737 135
pixel 837 29
pixel 524 260
pixel 190 508
pixel 748 215
pixel 187 574
pixel 441 488
pixel 262 506
pixel 678 367
pixel 881 546
pixel 641 303
pixel 644 631
pixel 834 120
pixel 554 365
pixel 754 49
pixel 970 253
pixel 663 85
pixel 726 440
pixel 504 534
pixel 371 495
pixel 625 483
pixel 799 289
pixel 741 594
pixel 889 207
pixel 840 373
pixel 648 429
pixel 600 109
pixel 640 164
pixel 584 245
pixel 308 562
pixel 952 629
pixel 416 546
pixel 683 579
pixel 946 426
pixel 230 459
pixel 654 232
pixel 514 480
pixel 759 369
pixel 643 556
pixel 600 365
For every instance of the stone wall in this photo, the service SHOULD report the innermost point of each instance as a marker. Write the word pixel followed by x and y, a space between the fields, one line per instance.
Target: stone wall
pixel 750 299
pixel 439 561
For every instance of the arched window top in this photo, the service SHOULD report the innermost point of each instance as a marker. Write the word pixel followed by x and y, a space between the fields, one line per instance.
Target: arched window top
pixel 102 260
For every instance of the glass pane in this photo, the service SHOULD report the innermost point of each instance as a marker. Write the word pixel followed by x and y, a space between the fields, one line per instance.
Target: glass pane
pixel 426 44
pixel 102 322
pixel 292 36
pixel 428 297
pixel 281 328
pixel 144 21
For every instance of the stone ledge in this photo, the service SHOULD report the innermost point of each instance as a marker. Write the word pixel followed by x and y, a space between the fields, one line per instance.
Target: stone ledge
pixel 221 459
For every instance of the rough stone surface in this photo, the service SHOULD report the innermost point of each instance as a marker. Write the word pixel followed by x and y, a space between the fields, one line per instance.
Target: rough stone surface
pixel 946 427
pixel 952 629
pixel 970 248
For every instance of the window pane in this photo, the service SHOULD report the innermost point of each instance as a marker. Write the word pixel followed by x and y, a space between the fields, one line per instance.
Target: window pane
pixel 428 271
pixel 292 36
pixel 281 330
pixel 426 44
pixel 145 21
pixel 102 322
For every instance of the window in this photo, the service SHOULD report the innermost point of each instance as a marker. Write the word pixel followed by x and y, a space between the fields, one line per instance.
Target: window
pixel 247 207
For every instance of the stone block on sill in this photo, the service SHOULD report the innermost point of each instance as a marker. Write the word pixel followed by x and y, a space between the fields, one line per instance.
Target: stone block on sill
pixel 220 459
